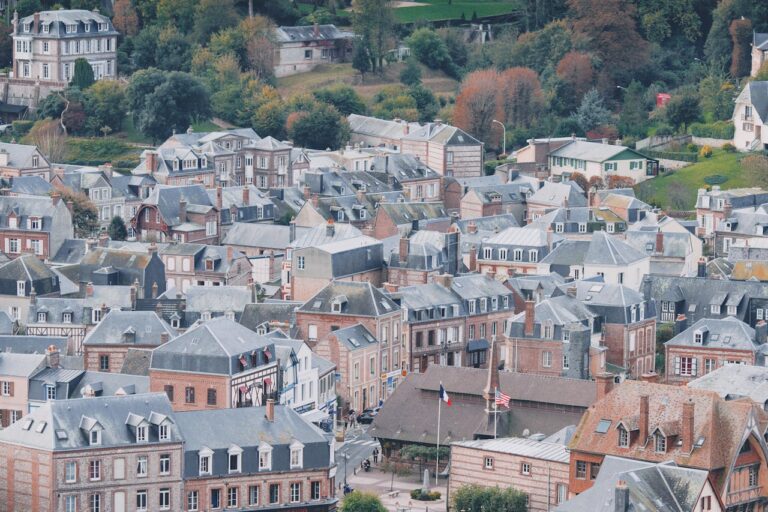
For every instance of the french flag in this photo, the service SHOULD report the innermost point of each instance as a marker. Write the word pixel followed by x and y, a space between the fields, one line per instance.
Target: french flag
pixel 444 396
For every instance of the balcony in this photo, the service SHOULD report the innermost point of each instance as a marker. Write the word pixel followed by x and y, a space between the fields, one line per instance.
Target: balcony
pixel 743 496
pixel 745 117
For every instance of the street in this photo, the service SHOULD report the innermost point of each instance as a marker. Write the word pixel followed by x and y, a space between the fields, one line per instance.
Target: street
pixel 358 445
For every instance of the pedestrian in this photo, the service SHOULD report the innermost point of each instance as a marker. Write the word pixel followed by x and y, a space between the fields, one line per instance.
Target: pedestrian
pixel 375 455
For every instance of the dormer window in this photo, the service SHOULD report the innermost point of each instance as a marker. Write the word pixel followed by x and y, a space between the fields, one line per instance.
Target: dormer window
pixel 27 27
pixel 209 264
pixel 660 443
pixel 623 437
pixel 163 432
pixel 35 223
pixel 66 318
pixel 205 465
pixel 95 437
pixel 141 434
pixel 715 309
pixel 103 27
pixel 235 457
pixel 297 455
pixel 42 317
pixel 731 310
pixel 21 288
pixel 265 457
pixel 175 323
pixel 698 337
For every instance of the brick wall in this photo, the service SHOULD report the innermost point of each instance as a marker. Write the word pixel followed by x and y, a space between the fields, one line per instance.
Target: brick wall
pixel 158 379
pixel 701 354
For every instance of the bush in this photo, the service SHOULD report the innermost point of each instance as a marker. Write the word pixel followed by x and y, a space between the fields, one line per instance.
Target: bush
pixel 728 147
pixel 419 494
pixel 715 179
pixel 705 151
pixel 717 130
pixel 672 155
pixel 21 128
pixel 692 148
pixel 664 130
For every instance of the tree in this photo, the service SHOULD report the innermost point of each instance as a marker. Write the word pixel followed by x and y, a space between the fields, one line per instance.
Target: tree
pixel 575 68
pixel 125 20
pixel 6 45
pixel 177 13
pixel 28 7
pixel 741 36
pixel 49 138
pixel 592 112
pixel 319 127
pixel 756 169
pixel 117 229
pixel 105 104
pixel 85 216
pixel 475 498
pixel 270 119
pixel 172 51
pixel 716 95
pixel 596 182
pixel 634 115
pixel 144 50
pixel 357 501
pixel 683 110
pixel 477 103
pixel 430 49
pixel 520 97
pixel 616 181
pixel 51 106
pixel 411 73
pixel 536 50
pixel 374 21
pixel 343 97
pixel 580 180
pixel 426 103
pixel 82 78
pixel 393 101
pixel 361 61
pixel 259 46
pixel 212 16
pixel 661 19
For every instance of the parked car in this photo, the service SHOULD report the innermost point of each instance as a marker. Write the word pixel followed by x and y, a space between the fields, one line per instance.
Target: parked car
pixel 366 417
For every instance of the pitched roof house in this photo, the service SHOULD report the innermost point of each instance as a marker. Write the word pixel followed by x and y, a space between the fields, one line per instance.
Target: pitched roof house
pixel 750 116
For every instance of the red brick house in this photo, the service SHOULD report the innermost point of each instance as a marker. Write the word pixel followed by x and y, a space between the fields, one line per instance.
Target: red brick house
pixel 181 213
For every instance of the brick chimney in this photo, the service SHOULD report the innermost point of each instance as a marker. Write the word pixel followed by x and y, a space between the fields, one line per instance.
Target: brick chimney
pixel 55 198
pixel 219 199
pixel 444 280
pixel 652 377
pixel 473 258
pixel 150 161
pixel 182 211
pixel 644 405
pixel 103 239
pixel 550 237
pixel 154 290
pixel 292 230
pixel 761 332
pixel 621 497
pixel 660 242
pixel 307 192
pixel 604 384
pixel 391 287
pixel 701 270
pixel 530 316
pixel 246 195
pixel 52 356
pixel 164 337
pixel 681 323
pixel 89 289
pixel 230 253
pixel 270 415
pixel 315 200
pixel 35 22
pixel 330 229
pixel 688 426
pixel 405 248
pixel 316 29
pixel 134 290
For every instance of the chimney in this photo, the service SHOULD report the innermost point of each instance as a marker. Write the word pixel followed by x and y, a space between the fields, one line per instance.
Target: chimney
pixel 270 409
pixel 644 405
pixel 660 242
pixel 182 211
pixel 52 356
pixel 164 337
pixel 604 384
pixel 571 291
pixel 154 290
pixel 444 280
pixel 134 290
pixel 316 29
pixel 230 253
pixel 292 230
pixel 391 287
pixel 103 239
pixel 71 207
pixel 150 161
pixel 330 229
pixel 473 258
pixel 681 323
pixel 315 200
pixel 702 268
pixel 219 199
pixel 55 198
pixel 472 227
pixel 405 248
pixel 621 499
pixel 152 249
pixel 688 424
pixel 530 316
pixel 89 289
pixel 550 236
pixel 761 332
pixel 307 192
pixel 246 195
pixel 35 22
pixel 651 377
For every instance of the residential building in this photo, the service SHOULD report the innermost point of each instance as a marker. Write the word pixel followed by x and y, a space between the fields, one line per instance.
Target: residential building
pixel 34 224
pixel 711 343
pixel 22 278
pixel 423 256
pixel 253 239
pixel 280 463
pixel 538 468
pixel 302 48
pixel 750 115
pixel 16 370
pixel 383 133
pixel 537 151
pixel 242 204
pixel 693 428
pixel 22 160
pixel 181 213
pixel 66 384
pixel 495 200
pixel 732 381
pixel 600 160
pixel 104 453
pixel 759 52
pixel 47 44
pixel 190 264
pixel 515 251
pixel 401 218
pixel 554 195
pixel 205 302
pixel 216 364
pixel 409 174
pixel 716 206
pixel 621 202
pixel 579 223
pixel 105 346
pixel 747 226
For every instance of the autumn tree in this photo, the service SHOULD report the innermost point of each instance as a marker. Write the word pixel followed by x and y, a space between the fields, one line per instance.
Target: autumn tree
pixel 616 181
pixel 49 138
pixel 213 15
pixel 576 70
pixel 580 180
pixel 125 20
pixel 520 97
pixel 259 46
pixel 741 36
pixel 477 103
pixel 85 216
pixel 177 13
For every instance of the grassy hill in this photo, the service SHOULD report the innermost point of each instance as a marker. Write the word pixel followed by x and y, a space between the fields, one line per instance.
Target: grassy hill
pixel 441 10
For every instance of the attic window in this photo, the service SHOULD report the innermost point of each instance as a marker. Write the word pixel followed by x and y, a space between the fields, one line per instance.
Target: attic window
pixel 95 437
pixel 660 443
pixel 27 424
pixel 209 264
pixel 61 435
pixel 40 427
pixel 603 426
pixel 698 337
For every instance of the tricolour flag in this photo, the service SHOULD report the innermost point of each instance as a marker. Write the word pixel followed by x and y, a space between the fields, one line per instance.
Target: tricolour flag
pixel 444 396
pixel 502 399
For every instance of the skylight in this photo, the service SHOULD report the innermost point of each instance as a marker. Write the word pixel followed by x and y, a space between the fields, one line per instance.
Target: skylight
pixel 61 435
pixel 27 424
pixel 596 288
pixel 603 426
pixel 40 427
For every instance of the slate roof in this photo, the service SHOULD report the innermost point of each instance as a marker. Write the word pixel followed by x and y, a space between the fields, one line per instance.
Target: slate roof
pixel 675 245
pixel 553 194
pixel 521 237
pixel 605 249
pixel 310 33
pixel 167 198
pixel 26 267
pixel 403 214
pixel 129 327
pixel 623 200
pixel 63 424
pixel 581 214
pixel 21 365
pixel 24 344
pixel 319 235
pixel 561 310
pixel 217 298
pixel 727 333
pixel 20 155
pixel 529 448
pixel 358 299
pixel 25 207
pixel 378 127
pixel 354 337
pixel 569 252
pixel 70 252
pixel 474 286
pixel 591 151
pixel 110 384
pixel 736 380
pixel 30 185
pixel 506 193
pixel 257 314
pixel 426 296
pixel 604 294
pixel 756 94
pixel 760 40
pixel 442 134
pixel 60 18
pixel 402 167
pixel 526 284
pixel 494 223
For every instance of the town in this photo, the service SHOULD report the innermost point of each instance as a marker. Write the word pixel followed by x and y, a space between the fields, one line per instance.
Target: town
pixel 370 256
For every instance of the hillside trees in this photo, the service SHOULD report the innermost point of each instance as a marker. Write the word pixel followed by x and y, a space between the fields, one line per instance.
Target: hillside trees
pixel 374 21
pixel 477 103
pixel 125 19
pixel 741 37
pixel 576 70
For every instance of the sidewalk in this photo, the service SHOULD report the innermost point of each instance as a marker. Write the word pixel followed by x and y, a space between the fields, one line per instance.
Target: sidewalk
pixel 377 482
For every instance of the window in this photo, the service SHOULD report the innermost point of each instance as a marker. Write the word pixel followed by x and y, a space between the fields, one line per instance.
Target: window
pixel 315 488
pixel 205 464
pixel 253 495
pixel 70 472
pixel 582 227
pixel 95 502
pixel 70 504
pixel 215 498
pixel 94 470
pixel 488 463
pixel 562 493
pixel 13 245
pixel 104 363
pixel 141 500
pixel 21 287
pixel 594 469
pixel 660 443
pixel 232 497
pixel 503 254
pixel 312 332
pixel 753 473
pixel 533 255
pixel 610 227
pixel 193 501
pixel 449 157
pixel 234 461
pixel 709 365
pixel 546 359
pixel 525 468
pixel 50 392
pixel 685 366
pixel 265 459
pixel 566 362
pixel 715 309
pixel 168 388
pixel 274 493
pixel 559 227
pixel 698 337
pixel 165 464
pixel 42 317
pixel 581 470
pixel 189 395
pixel 96 316
pixel 163 432
pixel 34 222
pixel 295 492
pixel 517 255
pixel 297 457
pixel 141 465
pixel 623 437
pixel 211 398
pixel 210 228
pixel 307 54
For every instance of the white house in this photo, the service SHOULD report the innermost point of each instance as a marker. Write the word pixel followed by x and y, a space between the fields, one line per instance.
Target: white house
pixel 602 160
pixel 302 48
pixel 750 117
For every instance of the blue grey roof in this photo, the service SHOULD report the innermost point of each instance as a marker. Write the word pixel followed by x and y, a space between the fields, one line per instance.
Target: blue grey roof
pixel 555 194
pixel 726 333
pixel 129 327
pixel 605 249
pixel 356 299
pixel 21 365
pixel 269 236
pixel 756 93
pixel 167 199
pixel 736 380
pixel 219 299
pixel 31 344
pixel 675 245
pixel 354 337
pixel 110 384
pixel 310 33
pixel 31 185
pixel 57 21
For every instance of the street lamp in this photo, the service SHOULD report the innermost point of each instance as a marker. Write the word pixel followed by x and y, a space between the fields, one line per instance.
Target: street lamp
pixel 504 136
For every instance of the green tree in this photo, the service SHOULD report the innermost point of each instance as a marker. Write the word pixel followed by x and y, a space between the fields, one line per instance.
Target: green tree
pixel 592 112
pixel 741 37
pixel 269 119
pixel 177 13
pixel 82 78
pixel 51 106
pixel 117 229
pixel 430 49
pixel 126 20
pixel 683 110
pixel 474 498
pixel 394 101
pixel 661 19
pixel 6 45
pixel 716 94
pixel 173 51
pixel 85 217
pixel 411 73
pixel 105 105
pixel 457 47
pixel 361 61
pixel 374 22
pixel 426 103
pixel 362 502
pixel 28 7
pixel 320 127
pixel 634 115
pixel 212 16
pixel 536 50
pixel 144 47
pixel 141 85
pixel 343 97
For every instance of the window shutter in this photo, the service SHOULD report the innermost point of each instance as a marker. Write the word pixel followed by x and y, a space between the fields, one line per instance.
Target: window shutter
pixel 10 388
pixel 695 366
pixel 4 418
pixel 7 245
pixel 677 365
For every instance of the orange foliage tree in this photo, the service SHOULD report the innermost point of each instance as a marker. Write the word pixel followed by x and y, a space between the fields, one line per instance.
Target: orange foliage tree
pixel 520 97
pixel 477 103
pixel 126 20
pixel 741 35
pixel 575 68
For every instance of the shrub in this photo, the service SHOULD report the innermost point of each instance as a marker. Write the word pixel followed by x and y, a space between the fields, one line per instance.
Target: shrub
pixel 717 130
pixel 664 130
pixel 728 147
pixel 715 179
pixel 419 494
pixel 693 148
pixel 705 151
pixel 21 128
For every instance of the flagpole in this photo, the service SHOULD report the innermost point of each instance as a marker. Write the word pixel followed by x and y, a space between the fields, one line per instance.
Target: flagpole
pixel 495 411
pixel 437 453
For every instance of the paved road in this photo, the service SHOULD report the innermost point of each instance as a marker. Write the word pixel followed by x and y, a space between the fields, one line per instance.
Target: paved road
pixel 358 445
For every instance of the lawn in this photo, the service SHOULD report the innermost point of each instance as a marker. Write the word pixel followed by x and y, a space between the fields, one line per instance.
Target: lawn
pixel 98 150
pixel 677 190
pixel 441 10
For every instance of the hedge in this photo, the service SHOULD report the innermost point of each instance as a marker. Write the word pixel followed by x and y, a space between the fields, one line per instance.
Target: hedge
pixel 672 155
pixel 22 127
pixel 717 130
